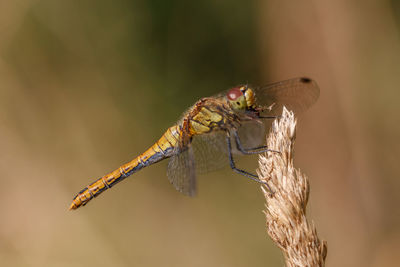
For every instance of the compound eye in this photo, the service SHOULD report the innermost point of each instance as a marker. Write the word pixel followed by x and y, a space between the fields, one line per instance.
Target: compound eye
pixel 234 94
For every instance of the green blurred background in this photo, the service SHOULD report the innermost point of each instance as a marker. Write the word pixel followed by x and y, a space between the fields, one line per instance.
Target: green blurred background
pixel 87 85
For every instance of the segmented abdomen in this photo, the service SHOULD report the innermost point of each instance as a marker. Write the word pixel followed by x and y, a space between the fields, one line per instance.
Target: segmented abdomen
pixel 163 148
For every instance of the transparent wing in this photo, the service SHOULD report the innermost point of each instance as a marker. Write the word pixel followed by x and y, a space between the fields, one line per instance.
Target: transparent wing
pixel 206 153
pixel 210 151
pixel 181 172
pixel 296 94
pixel 252 133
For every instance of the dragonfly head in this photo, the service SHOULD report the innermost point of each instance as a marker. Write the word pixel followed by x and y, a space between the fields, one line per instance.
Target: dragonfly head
pixel 241 98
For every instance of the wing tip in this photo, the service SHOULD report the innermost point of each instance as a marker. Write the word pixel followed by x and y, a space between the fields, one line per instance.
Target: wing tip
pixel 314 85
pixel 305 80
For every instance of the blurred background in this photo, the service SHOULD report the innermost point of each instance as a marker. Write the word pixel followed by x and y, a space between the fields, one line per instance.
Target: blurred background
pixel 85 86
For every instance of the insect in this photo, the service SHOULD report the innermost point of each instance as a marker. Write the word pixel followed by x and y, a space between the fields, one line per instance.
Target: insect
pixel 202 139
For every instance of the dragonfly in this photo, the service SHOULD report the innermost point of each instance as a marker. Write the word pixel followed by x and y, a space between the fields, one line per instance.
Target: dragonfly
pixel 210 132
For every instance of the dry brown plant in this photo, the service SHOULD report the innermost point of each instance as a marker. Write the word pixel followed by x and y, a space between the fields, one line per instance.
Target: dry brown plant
pixel 285 211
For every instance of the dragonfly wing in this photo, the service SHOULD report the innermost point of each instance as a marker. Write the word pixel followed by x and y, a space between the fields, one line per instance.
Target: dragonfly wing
pixel 252 133
pixel 181 171
pixel 296 94
pixel 210 151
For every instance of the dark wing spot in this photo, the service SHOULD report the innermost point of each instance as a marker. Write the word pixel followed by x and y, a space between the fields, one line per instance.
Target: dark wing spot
pixel 305 80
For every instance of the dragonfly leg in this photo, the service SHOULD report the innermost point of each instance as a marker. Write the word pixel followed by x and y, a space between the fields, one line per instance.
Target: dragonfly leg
pixel 269 117
pixel 240 171
pixel 250 151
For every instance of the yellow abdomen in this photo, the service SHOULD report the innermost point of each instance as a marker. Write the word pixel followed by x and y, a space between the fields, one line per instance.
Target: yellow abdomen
pixel 163 148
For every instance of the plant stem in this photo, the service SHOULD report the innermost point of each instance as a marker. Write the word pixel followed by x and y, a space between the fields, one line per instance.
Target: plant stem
pixel 285 211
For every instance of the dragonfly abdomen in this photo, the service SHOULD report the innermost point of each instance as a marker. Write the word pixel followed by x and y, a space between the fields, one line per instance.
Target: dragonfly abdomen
pixel 163 148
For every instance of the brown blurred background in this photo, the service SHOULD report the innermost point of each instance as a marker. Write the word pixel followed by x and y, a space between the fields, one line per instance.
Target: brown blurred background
pixel 87 85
